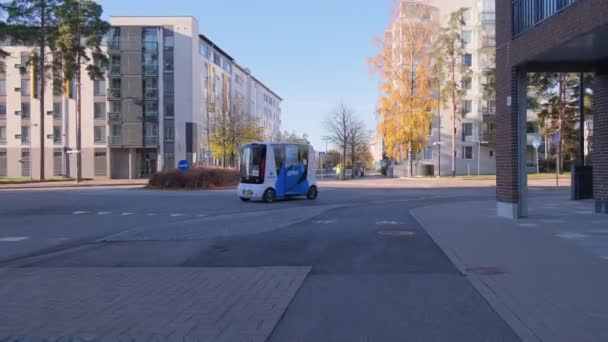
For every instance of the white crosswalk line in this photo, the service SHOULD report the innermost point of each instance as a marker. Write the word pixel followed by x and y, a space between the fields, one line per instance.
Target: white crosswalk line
pixel 152 214
pixel 177 215
pixel 127 214
pixel 101 213
pixel 80 212
pixel 13 238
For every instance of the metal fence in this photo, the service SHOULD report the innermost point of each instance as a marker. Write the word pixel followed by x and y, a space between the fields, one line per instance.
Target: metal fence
pixel 529 13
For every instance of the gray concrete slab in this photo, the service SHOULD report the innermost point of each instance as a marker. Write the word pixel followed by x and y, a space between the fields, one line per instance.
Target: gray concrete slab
pixel 214 304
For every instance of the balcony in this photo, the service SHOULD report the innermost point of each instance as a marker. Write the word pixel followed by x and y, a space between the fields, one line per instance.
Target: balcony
pixel 151 93
pixel 115 140
pixel 150 141
pixel 151 116
pixel 150 46
pixel 114 44
pixel 529 13
pixel 114 93
pixel 150 69
pixel 115 69
pixel 114 117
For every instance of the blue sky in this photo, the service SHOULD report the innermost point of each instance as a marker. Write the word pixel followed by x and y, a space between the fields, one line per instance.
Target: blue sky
pixel 312 53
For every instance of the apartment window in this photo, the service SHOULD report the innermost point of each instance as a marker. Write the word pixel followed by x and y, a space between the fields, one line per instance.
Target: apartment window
pixel 150 129
pixel 151 87
pixel 25 110
pixel 25 164
pixel 169 107
pixel 2 109
pixel 168 62
pixel 25 87
pixel 467 152
pixel 168 41
pixel 100 134
pixel 150 35
pixel 2 134
pixel 466 106
pixel 491 153
pixel 57 110
pixel 115 87
pixel 467 84
pixel 204 50
pixel 57 136
pixel 227 65
pixel 99 111
pixel 99 88
pixel 467 59
pixel 25 134
pixel 466 37
pixel 150 63
pixel 115 130
pixel 2 87
pixel 168 85
pixel 466 16
pixel 467 130
pixel 169 132
pixel 169 161
pixel 217 59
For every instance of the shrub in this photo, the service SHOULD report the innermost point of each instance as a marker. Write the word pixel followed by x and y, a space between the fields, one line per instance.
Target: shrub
pixel 197 178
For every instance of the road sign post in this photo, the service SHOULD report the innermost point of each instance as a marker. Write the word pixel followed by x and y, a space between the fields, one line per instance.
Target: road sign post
pixel 536 144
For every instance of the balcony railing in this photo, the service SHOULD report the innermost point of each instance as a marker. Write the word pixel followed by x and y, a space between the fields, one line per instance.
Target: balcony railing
pixel 151 93
pixel 114 140
pixel 115 69
pixel 114 92
pixel 150 69
pixel 529 13
pixel 114 117
pixel 150 141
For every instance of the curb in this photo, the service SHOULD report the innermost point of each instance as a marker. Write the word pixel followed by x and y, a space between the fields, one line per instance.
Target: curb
pixel 494 300
pixel 61 186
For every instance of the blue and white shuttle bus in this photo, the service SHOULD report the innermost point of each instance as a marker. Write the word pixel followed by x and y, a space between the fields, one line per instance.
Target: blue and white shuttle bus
pixel 271 171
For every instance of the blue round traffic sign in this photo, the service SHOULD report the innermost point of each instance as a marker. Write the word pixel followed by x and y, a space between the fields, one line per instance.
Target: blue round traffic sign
pixel 183 165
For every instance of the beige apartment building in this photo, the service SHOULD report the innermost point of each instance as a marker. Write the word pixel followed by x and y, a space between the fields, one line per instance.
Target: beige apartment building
pixel 165 83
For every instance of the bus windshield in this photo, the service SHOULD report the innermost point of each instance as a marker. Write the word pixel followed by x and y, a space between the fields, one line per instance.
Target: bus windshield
pixel 253 161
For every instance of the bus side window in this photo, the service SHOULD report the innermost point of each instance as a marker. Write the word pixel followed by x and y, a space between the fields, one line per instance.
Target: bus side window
pixel 291 155
pixel 279 157
pixel 303 157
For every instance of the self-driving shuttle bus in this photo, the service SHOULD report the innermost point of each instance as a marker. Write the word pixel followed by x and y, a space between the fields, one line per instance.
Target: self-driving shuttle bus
pixel 271 171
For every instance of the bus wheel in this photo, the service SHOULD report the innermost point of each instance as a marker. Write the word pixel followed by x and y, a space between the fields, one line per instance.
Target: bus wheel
pixel 245 199
pixel 312 193
pixel 269 195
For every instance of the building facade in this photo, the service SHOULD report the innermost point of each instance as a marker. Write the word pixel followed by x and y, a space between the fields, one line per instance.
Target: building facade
pixel 165 84
pixel 475 120
pixel 548 36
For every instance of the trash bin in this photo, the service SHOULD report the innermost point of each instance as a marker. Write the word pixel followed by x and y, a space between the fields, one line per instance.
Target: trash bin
pixel 582 182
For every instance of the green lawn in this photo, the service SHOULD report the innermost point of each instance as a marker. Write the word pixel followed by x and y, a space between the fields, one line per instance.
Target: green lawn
pixel 565 175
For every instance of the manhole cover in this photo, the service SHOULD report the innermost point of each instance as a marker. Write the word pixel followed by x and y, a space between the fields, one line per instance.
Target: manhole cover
pixel 485 270
pixel 396 232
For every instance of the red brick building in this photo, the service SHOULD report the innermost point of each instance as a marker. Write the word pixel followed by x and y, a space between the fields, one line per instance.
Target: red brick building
pixel 556 36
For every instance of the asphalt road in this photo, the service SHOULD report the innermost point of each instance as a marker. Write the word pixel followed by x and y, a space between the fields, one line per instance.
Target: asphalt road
pixel 375 274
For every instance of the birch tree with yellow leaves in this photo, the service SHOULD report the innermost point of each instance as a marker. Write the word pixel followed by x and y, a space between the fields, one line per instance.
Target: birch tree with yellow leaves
pixel 405 67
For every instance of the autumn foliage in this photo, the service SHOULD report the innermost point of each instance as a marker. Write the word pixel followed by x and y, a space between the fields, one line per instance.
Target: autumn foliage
pixel 405 67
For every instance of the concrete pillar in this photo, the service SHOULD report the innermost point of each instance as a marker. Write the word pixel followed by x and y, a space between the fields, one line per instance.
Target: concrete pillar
pixel 600 142
pixel 511 173
pixel 131 159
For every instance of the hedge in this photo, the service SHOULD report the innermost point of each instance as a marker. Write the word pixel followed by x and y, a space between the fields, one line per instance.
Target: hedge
pixel 198 178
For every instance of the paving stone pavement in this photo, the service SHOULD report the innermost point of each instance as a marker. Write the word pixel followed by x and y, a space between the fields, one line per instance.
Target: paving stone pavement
pixel 145 304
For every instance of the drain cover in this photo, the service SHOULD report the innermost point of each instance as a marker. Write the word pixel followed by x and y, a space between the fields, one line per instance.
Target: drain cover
pixel 396 232
pixel 485 270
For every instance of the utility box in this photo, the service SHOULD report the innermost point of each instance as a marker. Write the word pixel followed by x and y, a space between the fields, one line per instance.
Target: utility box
pixel 582 183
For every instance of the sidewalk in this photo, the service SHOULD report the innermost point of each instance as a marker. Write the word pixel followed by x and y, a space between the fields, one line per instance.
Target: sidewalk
pixel 73 184
pixel 546 276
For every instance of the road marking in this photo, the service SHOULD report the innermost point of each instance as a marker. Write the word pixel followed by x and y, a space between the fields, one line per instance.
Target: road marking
pixel 528 225
pixel 324 221
pixel 177 215
pixel 605 257
pixel 101 213
pixel 13 238
pixel 387 223
pixel 127 214
pixel 80 212
pixel 201 215
pixel 572 236
pixel 552 221
pixel 152 214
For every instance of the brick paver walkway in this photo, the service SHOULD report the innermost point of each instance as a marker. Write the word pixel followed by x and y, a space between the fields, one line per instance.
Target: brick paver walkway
pixel 204 304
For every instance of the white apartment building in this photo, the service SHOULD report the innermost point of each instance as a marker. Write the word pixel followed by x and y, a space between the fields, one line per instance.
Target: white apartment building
pixel 165 82
pixel 476 118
